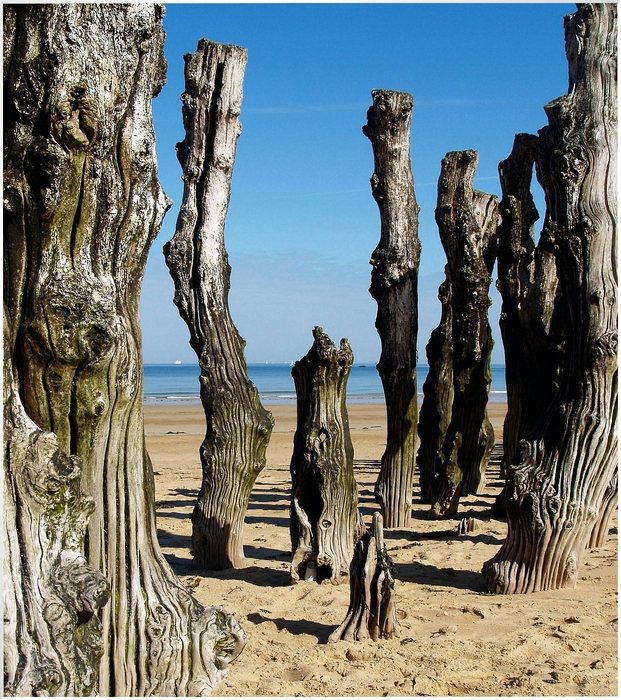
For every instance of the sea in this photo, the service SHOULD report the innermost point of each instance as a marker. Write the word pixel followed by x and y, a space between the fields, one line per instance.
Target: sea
pixel 178 383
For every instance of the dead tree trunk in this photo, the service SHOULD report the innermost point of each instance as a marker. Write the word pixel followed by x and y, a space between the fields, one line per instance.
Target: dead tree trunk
pixel 372 611
pixel 52 635
pixel 82 206
pixel 438 392
pixel 467 220
pixel 559 488
pixel 238 427
pixel 394 285
pixel 527 281
pixel 324 494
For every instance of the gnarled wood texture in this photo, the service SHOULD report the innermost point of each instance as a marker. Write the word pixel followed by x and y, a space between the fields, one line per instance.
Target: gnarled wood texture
pixel 560 488
pixel 438 392
pixel 82 205
pixel 325 522
pixel 52 635
pixel 467 220
pixel 238 427
pixel 527 280
pixel 394 285
pixel 372 612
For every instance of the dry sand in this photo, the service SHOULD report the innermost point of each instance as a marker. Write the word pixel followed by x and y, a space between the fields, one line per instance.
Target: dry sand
pixel 456 639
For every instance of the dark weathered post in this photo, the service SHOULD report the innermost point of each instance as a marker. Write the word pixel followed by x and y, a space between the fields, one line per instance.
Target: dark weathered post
pixel 438 392
pixel 467 221
pixel 560 489
pixel 527 281
pixel 82 205
pixel 324 495
pixel 394 285
pixel 238 427
pixel 372 612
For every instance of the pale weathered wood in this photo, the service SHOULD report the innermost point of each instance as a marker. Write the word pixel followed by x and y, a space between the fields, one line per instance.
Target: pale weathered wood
pixel 394 285
pixel 372 612
pixel 561 486
pixel 52 635
pixel 82 205
pixel 438 392
pixel 467 220
pixel 324 494
pixel 238 427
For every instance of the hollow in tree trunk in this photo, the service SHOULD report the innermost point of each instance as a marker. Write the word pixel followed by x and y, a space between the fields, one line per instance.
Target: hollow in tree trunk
pixel 238 427
pixel 438 392
pixel 82 205
pixel 527 281
pixel 394 285
pixel 560 488
pixel 372 611
pixel 467 221
pixel 325 522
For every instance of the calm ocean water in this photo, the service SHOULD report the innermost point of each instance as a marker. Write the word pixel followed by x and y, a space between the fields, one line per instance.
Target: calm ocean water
pixel 179 383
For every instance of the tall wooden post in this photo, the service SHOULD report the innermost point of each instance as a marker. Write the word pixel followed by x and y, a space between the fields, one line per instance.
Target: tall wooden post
pixel 238 427
pixel 394 285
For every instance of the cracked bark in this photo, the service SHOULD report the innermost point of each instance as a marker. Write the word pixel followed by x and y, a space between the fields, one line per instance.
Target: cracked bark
pixel 238 427
pixel 560 489
pixel 325 522
pixel 394 285
pixel 467 221
pixel 82 206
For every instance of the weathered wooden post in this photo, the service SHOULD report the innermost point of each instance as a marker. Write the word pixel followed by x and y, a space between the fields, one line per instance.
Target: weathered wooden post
pixel 394 285
pixel 438 391
pixel 467 221
pixel 560 490
pixel 529 321
pixel 82 206
pixel 238 427
pixel 324 496
pixel 372 612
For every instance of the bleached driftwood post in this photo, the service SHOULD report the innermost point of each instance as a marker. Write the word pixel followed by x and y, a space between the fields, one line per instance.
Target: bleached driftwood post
pixel 435 412
pixel 372 611
pixel 238 427
pixel 560 490
pixel 325 522
pixel 82 206
pixel 394 285
pixel 467 221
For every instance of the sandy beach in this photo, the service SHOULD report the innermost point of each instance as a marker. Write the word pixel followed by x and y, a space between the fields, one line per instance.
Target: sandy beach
pixel 455 638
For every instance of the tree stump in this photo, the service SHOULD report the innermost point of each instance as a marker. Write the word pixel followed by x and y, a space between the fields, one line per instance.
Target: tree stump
pixel 238 427
pixel 324 494
pixel 529 319
pixel 394 285
pixel 372 612
pixel 560 489
pixel 82 207
pixel 467 221
pixel 438 392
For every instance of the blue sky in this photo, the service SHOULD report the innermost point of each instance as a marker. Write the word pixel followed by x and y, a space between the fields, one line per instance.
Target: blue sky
pixel 302 222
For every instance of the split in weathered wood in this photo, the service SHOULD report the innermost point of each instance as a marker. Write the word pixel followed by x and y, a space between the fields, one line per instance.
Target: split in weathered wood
pixel 238 427
pixel 394 285
pixel 372 611
pixel 438 392
pixel 82 206
pixel 560 485
pixel 467 220
pixel 325 521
